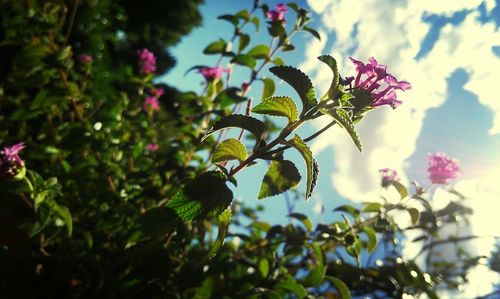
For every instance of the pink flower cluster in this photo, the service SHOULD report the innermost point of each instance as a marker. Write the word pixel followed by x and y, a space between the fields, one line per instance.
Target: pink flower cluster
pixel 152 147
pixel 277 14
pixel 442 169
pixel 211 73
pixel 10 162
pixel 389 175
pixel 151 102
pixel 147 61
pixel 374 79
pixel 85 58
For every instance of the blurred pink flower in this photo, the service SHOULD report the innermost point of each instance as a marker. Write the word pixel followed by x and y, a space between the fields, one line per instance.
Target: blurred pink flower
pixel 151 103
pixel 152 147
pixel 157 92
pixel 278 13
pixel 389 175
pixel 85 58
pixel 147 61
pixel 441 168
pixel 374 79
pixel 10 162
pixel 210 73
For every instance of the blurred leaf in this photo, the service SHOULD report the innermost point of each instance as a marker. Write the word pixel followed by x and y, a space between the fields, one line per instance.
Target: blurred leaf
pixel 414 215
pixel 230 149
pixel 224 221
pixel 300 82
pixel 278 106
pixel 312 31
pixel 288 48
pixel 230 18
pixel 312 166
pixel 281 176
pixel 154 223
pixel 259 52
pixel 205 196
pixel 372 207
pixel 268 89
pixel 256 22
pixel 341 287
pixel 263 267
pixel 403 192
pixel 372 238
pixel 316 275
pixel 290 284
pixel 349 209
pixel 254 126
pixel 244 40
pixel 217 47
pixel 279 61
pixel 65 215
pixel 244 60
pixel 243 14
pixel 302 218
pixel 229 96
pixel 276 29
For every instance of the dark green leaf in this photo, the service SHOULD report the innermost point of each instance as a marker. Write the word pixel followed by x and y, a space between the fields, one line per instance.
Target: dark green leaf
pixel 254 126
pixel 230 149
pixel 205 196
pixel 217 47
pixel 224 221
pixel 278 106
pixel 65 215
pixel 403 192
pixel 287 48
pixel 372 238
pixel 156 222
pixel 281 176
pixel 268 89
pixel 293 6
pixel 317 272
pixel 244 60
pixel 312 166
pixel 300 82
pixel 276 29
pixel 345 121
pixel 290 284
pixel 229 96
pixel 302 218
pixel 414 215
pixel 312 31
pixel 243 14
pixel 230 18
pixel 341 287
pixel 259 52
pixel 332 91
pixel 349 209
pixel 244 40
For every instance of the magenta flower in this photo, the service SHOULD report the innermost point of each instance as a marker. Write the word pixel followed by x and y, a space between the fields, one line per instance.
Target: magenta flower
pixel 374 79
pixel 10 163
pixel 389 174
pixel 211 73
pixel 151 103
pixel 278 13
pixel 147 61
pixel 157 92
pixel 85 58
pixel 442 169
pixel 152 147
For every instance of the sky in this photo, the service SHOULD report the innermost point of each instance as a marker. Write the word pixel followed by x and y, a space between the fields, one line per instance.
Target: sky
pixel 450 52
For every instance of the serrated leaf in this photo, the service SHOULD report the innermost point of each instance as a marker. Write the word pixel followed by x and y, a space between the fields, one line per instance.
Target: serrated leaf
pixel 244 60
pixel 332 91
pixel 278 106
pixel 312 31
pixel 254 126
pixel 256 22
pixel 259 52
pixel 290 284
pixel 414 215
pixel 341 287
pixel 281 176
pixel 230 18
pixel 312 166
pixel 372 238
pixel 268 89
pixel 345 121
pixel 224 221
pixel 244 40
pixel 300 82
pixel 230 149
pixel 205 196
pixel 215 47
pixel 302 218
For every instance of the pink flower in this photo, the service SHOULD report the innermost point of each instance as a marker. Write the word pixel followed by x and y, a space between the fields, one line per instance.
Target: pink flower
pixel 85 58
pixel 374 79
pixel 157 92
pixel 278 13
pixel 151 103
pixel 441 168
pixel 389 175
pixel 152 147
pixel 147 61
pixel 211 73
pixel 10 162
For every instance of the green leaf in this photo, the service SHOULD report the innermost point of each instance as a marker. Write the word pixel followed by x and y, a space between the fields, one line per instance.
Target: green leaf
pixel 256 22
pixel 300 82
pixel 341 287
pixel 243 14
pixel 229 96
pixel 279 61
pixel 230 18
pixel 268 89
pixel 312 166
pixel 414 215
pixel 259 52
pixel 330 61
pixel 215 47
pixel 154 223
pixel 403 192
pixel 288 48
pixel 290 284
pixel 276 29
pixel 281 176
pixel 244 40
pixel 372 207
pixel 312 31
pixel 224 221
pixel 302 218
pixel 293 6
pixel 65 215
pixel 230 149
pixel 372 238
pixel 254 126
pixel 205 196
pixel 345 121
pixel 348 209
pixel 278 106
pixel 244 60
pixel 317 272
pixel 263 267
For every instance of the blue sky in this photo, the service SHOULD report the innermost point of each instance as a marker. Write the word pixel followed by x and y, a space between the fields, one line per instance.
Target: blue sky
pixel 449 50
